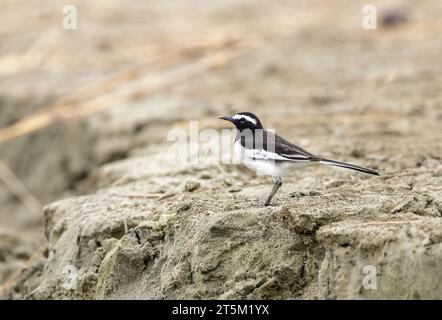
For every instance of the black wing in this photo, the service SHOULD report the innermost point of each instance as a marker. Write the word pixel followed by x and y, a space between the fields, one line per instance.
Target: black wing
pixel 274 144
pixel 284 150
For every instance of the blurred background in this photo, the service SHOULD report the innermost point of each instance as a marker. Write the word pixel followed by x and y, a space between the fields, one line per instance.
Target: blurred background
pixel 74 100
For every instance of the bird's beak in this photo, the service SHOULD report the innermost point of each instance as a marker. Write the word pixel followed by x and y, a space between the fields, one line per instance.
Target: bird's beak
pixel 226 118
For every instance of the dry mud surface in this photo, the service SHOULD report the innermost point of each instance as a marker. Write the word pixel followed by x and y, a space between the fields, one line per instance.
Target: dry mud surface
pixel 369 98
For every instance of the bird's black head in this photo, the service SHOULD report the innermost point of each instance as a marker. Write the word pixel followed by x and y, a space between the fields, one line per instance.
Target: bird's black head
pixel 244 120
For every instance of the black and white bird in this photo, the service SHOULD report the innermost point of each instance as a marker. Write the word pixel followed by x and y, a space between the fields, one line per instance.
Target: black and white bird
pixel 267 153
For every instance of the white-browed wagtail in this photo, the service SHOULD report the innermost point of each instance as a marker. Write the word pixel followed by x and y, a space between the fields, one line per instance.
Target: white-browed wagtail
pixel 267 153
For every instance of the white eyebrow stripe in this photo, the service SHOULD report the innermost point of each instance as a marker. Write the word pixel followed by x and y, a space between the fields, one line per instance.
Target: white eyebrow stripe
pixel 242 116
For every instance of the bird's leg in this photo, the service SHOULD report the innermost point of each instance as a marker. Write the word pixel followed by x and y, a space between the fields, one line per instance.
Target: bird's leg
pixel 277 183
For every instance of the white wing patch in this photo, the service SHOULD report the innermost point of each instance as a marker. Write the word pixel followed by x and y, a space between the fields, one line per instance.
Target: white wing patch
pixel 261 154
pixel 247 118
pixel 261 161
pixel 297 157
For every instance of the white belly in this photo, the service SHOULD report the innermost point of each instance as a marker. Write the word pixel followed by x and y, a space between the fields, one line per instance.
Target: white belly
pixel 261 167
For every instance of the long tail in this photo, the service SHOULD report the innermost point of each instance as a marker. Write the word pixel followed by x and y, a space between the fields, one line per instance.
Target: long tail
pixel 348 166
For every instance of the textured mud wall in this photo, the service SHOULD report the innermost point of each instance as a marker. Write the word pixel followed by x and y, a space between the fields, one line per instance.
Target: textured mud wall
pixel 210 239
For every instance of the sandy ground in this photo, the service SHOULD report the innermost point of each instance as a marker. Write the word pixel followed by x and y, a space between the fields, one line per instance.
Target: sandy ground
pixel 306 68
